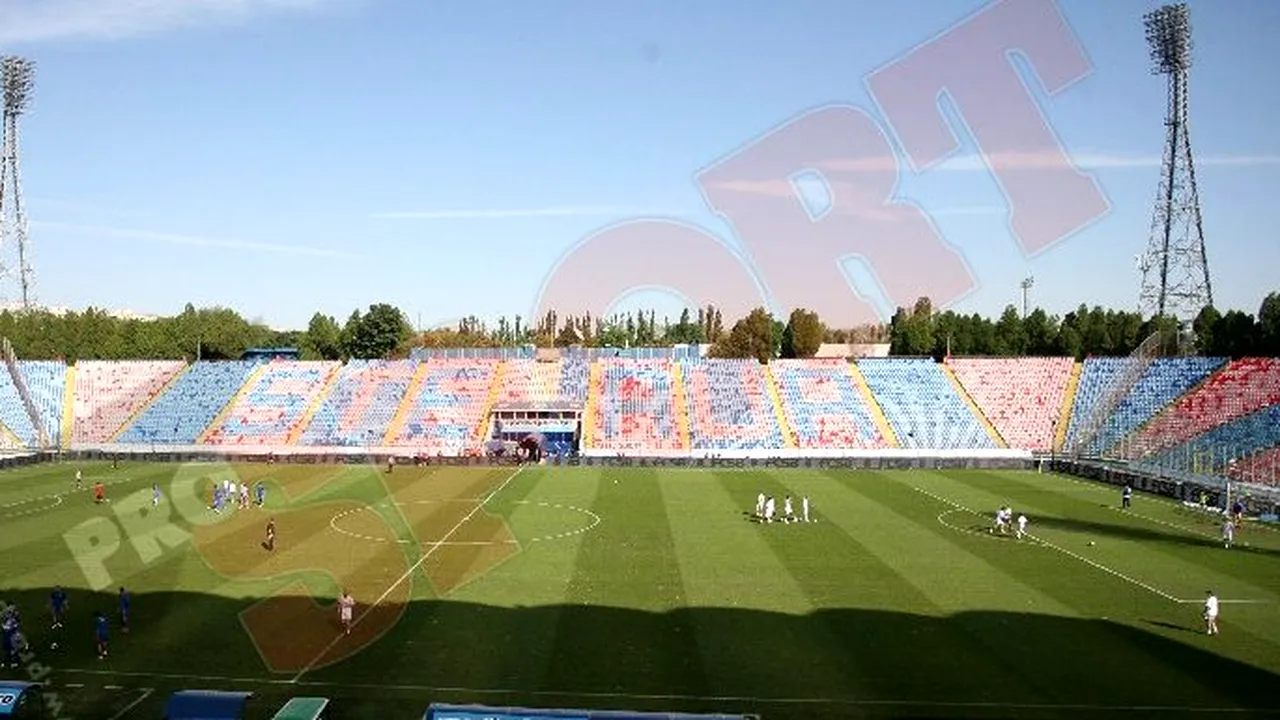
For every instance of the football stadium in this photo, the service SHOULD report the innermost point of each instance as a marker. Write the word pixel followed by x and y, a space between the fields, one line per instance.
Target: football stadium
pixel 581 527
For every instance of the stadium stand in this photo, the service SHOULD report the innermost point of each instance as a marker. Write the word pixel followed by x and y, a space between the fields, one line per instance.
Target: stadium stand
pixel 823 407
pixel 46 384
pixel 1097 378
pixel 635 406
pixel 729 406
pixel 531 382
pixel 1260 468
pixel 13 414
pixel 1022 397
pixel 108 393
pixel 923 406
pixel 271 406
pixel 1164 381
pixel 180 415
pixel 359 409
pixel 1242 388
pixel 442 414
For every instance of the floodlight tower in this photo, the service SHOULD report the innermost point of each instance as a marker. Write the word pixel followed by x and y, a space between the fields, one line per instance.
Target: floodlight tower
pixel 1175 269
pixel 17 80
pixel 1026 286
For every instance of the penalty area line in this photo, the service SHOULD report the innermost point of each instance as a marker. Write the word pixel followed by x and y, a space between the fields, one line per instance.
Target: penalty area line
pixel 741 699
pixel 407 574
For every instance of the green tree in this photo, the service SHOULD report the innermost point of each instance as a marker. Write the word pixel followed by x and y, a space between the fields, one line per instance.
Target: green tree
pixel 751 337
pixel 568 335
pixel 1269 326
pixel 1203 326
pixel 323 339
pixel 1010 336
pixel 802 335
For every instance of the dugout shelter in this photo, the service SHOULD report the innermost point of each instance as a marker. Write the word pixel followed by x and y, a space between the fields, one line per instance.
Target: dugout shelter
pixel 440 711
pixel 21 701
pixel 206 705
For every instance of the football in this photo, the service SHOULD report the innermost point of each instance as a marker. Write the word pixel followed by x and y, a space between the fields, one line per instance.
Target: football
pixel 53 646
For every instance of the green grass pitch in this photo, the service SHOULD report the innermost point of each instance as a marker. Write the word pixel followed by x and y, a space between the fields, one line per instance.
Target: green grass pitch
pixel 640 589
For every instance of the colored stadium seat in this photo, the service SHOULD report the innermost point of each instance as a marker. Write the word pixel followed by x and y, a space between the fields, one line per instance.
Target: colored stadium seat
pixel 270 409
pixel 1165 380
pixel 922 405
pixel 1260 468
pixel 180 415
pixel 1097 378
pixel 1022 397
pixel 636 406
pixel 729 406
pixel 45 381
pixel 823 407
pixel 1242 388
pixel 359 409
pixel 445 414
pixel 108 393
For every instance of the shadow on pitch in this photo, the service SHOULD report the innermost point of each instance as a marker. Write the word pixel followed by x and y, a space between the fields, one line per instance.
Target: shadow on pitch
pixel 1139 530
pixel 838 663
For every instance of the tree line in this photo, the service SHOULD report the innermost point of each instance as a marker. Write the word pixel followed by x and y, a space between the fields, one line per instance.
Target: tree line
pixel 383 331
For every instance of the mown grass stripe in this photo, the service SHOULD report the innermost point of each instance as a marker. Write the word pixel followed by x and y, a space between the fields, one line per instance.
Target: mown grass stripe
pixel 622 615
pixel 753 622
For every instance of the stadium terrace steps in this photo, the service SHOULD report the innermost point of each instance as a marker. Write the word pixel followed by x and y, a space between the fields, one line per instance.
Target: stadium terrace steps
pixel 406 403
pixel 495 388
pixel 595 385
pixel 1260 468
pixel 1068 402
pixel 726 405
pixel 923 405
pixel 45 381
pixel 1098 376
pixel 823 407
pixel 361 405
pixel 270 406
pixel 146 405
pixel 295 434
pixel 637 406
pixel 443 415
pixel 877 413
pixel 1242 388
pixel 788 435
pixel 682 401
pixel 968 400
pixel 108 395
pixel 1020 397
pixel 232 402
pixel 1164 381
pixel 68 407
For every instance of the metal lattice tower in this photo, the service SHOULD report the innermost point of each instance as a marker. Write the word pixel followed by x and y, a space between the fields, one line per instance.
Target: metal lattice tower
pixel 17 80
pixel 1175 269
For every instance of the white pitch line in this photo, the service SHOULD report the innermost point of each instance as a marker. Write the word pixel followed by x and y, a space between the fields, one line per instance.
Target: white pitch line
pixel 144 694
pixel 850 702
pixel 407 574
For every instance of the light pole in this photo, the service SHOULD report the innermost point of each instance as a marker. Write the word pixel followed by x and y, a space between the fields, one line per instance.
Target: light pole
pixel 1026 286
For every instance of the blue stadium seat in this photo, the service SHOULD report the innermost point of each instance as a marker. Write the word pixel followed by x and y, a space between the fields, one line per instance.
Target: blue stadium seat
pixel 922 405
pixel 180 415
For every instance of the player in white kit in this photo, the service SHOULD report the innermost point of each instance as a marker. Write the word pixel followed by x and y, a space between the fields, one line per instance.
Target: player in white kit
pixel 1022 526
pixel 346 606
pixel 1211 614
pixel 804 507
pixel 768 510
pixel 788 511
pixel 760 506
pixel 1228 533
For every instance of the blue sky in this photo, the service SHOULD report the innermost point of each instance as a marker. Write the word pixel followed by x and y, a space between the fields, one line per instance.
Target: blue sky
pixel 287 156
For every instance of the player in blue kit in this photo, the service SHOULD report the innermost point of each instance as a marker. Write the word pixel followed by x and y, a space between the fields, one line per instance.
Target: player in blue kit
pixel 10 640
pixel 124 610
pixel 58 605
pixel 100 633
pixel 262 494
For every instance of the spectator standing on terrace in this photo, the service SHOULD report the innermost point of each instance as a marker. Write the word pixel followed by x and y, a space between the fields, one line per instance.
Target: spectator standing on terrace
pixel 1126 496
pixel 1211 614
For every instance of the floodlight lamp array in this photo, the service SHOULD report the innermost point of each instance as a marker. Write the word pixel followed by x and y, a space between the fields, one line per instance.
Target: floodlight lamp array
pixel 18 79
pixel 1168 31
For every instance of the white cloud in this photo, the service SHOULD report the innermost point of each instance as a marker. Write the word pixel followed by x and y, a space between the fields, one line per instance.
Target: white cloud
pixel 189 240
pixel 33 21
pixel 580 211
